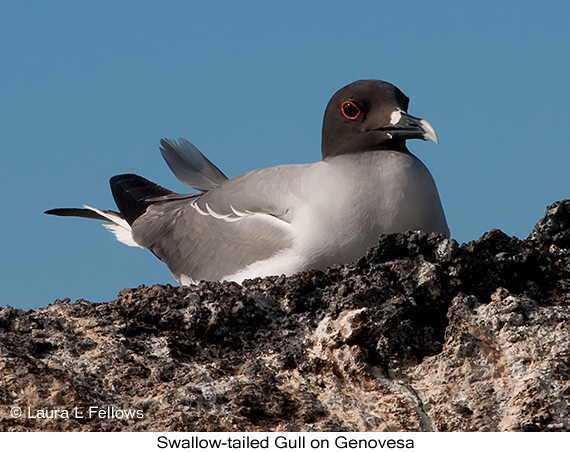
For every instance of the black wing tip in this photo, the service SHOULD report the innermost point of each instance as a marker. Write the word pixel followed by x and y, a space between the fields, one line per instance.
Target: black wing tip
pixel 75 212
pixel 64 211
pixel 131 193
pixel 126 176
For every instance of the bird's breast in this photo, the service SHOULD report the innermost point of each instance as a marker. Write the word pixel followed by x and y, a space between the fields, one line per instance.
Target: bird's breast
pixel 353 199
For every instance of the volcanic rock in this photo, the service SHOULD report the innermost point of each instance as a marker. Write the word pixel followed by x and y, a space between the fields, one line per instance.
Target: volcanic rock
pixel 421 334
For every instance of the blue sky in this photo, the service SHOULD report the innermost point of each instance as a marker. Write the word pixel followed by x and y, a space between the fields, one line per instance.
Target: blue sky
pixel 89 88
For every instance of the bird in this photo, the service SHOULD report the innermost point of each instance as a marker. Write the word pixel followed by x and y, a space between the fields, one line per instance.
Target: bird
pixel 288 218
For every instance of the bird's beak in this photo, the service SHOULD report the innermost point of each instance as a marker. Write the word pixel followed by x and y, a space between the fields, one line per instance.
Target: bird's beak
pixel 408 127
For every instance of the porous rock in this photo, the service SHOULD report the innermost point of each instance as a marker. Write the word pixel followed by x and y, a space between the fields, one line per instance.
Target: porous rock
pixel 421 334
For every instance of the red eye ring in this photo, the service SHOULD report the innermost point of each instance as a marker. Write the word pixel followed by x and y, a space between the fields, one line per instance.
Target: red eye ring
pixel 350 110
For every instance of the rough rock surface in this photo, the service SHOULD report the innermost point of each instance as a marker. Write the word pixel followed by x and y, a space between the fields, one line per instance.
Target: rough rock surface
pixel 420 334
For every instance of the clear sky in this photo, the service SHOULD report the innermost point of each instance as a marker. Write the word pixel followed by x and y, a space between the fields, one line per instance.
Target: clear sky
pixel 89 88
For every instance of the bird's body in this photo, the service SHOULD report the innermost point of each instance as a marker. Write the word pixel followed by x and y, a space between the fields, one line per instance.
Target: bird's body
pixel 288 218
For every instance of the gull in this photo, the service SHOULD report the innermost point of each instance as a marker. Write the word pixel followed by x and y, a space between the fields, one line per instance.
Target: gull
pixel 287 218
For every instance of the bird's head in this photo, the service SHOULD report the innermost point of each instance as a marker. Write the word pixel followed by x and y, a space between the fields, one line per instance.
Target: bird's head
pixel 370 115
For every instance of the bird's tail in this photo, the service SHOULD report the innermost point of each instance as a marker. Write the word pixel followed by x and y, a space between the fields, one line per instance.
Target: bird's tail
pixel 132 194
pixel 113 221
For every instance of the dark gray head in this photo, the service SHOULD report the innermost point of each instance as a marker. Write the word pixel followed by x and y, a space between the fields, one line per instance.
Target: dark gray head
pixel 370 115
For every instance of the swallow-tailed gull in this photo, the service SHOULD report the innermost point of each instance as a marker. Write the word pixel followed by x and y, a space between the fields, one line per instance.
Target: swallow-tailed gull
pixel 287 218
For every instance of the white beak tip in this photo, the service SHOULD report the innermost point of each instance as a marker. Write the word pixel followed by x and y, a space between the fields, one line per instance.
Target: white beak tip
pixel 430 133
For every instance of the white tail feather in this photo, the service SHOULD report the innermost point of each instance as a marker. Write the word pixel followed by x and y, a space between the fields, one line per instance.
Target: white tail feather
pixel 120 228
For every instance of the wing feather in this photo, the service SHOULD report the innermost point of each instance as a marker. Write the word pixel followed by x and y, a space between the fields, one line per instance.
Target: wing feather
pixel 219 233
pixel 190 166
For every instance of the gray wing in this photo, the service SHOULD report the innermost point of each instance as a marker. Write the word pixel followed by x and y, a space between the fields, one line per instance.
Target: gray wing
pixel 190 166
pixel 214 235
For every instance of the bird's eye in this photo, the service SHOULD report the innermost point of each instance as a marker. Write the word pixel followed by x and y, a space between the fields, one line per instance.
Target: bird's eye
pixel 350 110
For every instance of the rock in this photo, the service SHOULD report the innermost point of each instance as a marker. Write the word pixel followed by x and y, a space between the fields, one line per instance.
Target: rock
pixel 418 335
